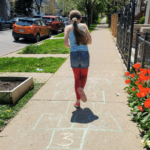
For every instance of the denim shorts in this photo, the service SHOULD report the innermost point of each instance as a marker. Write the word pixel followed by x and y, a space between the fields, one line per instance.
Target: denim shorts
pixel 80 59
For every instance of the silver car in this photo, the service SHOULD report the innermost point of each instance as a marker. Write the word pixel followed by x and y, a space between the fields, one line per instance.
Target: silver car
pixel 66 21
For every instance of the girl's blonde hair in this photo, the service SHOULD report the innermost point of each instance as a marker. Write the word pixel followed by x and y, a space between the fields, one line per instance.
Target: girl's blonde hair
pixel 80 35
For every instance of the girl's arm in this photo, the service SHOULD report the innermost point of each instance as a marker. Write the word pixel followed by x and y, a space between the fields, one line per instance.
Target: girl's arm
pixel 89 38
pixel 66 38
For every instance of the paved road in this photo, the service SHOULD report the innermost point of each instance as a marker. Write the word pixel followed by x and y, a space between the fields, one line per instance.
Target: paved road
pixel 7 43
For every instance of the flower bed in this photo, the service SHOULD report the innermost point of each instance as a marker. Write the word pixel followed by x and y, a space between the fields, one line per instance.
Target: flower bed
pixel 138 81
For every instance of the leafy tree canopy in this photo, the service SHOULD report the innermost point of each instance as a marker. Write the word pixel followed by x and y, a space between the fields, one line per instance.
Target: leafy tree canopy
pixel 23 7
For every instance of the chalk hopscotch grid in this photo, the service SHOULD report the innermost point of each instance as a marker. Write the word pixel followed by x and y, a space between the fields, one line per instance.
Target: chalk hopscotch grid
pixel 89 88
pixel 72 127
pixel 84 134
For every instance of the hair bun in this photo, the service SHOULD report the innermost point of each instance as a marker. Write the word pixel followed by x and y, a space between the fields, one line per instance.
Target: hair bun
pixel 74 19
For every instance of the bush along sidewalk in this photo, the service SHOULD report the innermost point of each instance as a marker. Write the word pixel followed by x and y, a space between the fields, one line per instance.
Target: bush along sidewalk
pixel 138 81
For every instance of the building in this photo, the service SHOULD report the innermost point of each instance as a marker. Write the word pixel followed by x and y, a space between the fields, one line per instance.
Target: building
pixel 140 10
pixel 5 9
pixel 147 16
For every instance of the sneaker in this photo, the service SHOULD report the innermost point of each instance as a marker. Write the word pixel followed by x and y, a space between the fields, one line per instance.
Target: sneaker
pixel 82 94
pixel 77 105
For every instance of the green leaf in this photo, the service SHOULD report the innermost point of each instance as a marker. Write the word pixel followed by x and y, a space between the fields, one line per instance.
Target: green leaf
pixel 145 119
pixel 144 113
pixel 145 137
pixel 135 109
pixel 139 114
pixel 132 104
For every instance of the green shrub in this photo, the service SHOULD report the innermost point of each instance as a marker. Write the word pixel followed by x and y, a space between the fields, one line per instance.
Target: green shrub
pixel 142 20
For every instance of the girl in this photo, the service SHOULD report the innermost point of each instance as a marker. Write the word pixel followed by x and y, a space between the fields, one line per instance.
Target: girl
pixel 79 37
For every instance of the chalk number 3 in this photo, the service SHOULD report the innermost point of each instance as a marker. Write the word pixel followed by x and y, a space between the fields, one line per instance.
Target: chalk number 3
pixel 67 135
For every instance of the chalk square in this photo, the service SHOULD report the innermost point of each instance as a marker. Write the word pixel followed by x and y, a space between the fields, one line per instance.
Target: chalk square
pixel 98 96
pixel 105 122
pixel 67 139
pixel 48 121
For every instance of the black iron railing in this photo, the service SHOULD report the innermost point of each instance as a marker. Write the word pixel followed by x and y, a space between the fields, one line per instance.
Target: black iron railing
pixel 142 50
pixel 125 31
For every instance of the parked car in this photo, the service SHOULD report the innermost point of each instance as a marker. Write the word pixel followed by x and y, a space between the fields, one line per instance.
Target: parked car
pixel 66 20
pixel 55 22
pixel 38 16
pixel 6 24
pixel 14 20
pixel 30 28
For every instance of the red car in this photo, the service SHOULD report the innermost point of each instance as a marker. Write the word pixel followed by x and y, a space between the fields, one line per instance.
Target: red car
pixel 55 22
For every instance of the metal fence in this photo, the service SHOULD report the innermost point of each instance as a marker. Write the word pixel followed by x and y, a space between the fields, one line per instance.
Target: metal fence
pixel 142 50
pixel 125 31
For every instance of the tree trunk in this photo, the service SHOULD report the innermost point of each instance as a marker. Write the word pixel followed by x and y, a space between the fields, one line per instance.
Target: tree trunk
pixel 39 11
pixel 92 15
pixel 89 15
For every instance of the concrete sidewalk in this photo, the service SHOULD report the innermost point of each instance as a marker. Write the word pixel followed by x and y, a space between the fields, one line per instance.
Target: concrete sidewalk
pixel 49 121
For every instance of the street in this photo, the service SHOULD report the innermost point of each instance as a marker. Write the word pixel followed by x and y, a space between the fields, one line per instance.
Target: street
pixel 8 44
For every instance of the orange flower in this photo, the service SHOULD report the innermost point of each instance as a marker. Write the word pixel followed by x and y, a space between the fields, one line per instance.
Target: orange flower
pixel 127 81
pixel 132 75
pixel 143 77
pixel 143 94
pixel 136 69
pixel 138 94
pixel 133 89
pixel 147 103
pixel 143 70
pixel 148 90
pixel 140 86
pixel 139 79
pixel 141 108
pixel 143 82
pixel 137 82
pixel 127 73
pixel 141 89
pixel 137 65
pixel 148 71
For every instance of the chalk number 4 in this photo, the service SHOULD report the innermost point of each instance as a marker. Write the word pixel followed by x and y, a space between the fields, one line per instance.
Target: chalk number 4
pixel 67 135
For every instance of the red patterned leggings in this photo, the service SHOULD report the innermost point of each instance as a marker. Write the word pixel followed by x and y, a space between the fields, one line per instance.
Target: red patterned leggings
pixel 80 76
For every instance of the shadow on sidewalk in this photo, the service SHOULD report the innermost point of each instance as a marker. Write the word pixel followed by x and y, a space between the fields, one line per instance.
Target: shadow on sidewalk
pixel 83 116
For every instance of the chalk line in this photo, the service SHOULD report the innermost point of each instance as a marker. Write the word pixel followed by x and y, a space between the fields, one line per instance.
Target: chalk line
pixel 51 140
pixel 38 121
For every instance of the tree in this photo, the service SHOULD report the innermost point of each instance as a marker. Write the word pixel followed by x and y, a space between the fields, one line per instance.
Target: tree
pixel 38 4
pixel 66 5
pixel 23 7
pixel 88 6
pixel 49 7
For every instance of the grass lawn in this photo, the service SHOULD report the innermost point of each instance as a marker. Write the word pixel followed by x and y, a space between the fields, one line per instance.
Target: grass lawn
pixel 60 35
pixel 55 46
pixel 10 110
pixel 20 64
pixel 94 25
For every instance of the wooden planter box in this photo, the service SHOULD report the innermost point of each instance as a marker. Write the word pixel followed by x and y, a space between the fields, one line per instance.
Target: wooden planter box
pixel 11 97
